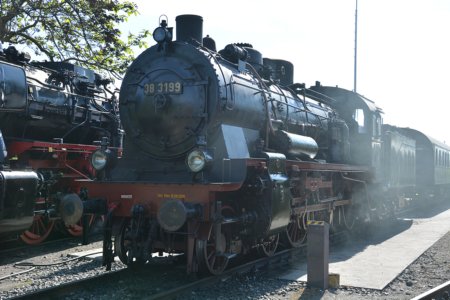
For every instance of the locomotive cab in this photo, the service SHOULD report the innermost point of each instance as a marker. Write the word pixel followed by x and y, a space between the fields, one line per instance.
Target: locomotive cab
pixel 364 120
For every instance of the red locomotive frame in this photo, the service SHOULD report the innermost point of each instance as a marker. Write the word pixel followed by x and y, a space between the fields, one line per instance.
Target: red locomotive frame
pixel 68 162
pixel 122 197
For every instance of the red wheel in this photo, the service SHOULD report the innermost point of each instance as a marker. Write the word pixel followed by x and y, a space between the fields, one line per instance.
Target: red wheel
pixel 38 232
pixel 77 229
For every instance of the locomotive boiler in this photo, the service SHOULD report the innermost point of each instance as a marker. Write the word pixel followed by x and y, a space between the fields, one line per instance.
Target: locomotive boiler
pixel 53 117
pixel 183 102
pixel 223 154
pixel 50 101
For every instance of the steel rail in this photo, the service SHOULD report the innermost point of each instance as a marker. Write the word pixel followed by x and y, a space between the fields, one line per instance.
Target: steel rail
pixel 64 289
pixel 264 262
pixel 435 293
pixel 245 268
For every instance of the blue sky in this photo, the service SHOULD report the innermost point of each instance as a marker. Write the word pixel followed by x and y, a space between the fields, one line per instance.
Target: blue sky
pixel 403 47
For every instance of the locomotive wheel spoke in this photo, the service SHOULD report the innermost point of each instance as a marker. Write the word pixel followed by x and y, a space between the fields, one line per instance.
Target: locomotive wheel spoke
pixel 211 261
pixel 269 245
pixel 296 232
pixel 122 244
pixel 38 232
pixel 208 259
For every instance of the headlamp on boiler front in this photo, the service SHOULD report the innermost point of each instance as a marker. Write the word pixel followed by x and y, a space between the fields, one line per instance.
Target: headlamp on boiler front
pixel 100 159
pixel 198 159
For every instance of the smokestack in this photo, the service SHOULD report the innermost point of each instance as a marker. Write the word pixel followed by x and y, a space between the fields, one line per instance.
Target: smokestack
pixel 189 27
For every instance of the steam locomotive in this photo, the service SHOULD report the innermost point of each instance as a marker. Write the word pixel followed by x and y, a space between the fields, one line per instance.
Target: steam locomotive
pixel 225 154
pixel 53 117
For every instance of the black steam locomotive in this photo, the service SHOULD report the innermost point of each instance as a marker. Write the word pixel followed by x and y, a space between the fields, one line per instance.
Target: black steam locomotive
pixel 51 116
pixel 224 154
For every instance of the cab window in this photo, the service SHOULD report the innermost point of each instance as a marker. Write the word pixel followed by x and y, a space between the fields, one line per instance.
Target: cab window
pixel 377 122
pixel 358 117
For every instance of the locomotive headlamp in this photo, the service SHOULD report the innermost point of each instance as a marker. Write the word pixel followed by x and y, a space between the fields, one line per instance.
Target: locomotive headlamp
pixel 99 159
pixel 162 33
pixel 197 160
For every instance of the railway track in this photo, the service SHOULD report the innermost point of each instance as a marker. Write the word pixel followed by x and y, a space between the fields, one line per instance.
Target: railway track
pixel 279 258
pixel 154 290
pixel 440 292
pixel 70 289
pixel 157 289
pixel 260 263
pixel 157 280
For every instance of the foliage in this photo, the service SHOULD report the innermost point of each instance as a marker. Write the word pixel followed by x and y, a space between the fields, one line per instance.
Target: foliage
pixel 82 31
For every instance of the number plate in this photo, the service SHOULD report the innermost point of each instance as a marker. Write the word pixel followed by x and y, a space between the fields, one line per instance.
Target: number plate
pixel 166 87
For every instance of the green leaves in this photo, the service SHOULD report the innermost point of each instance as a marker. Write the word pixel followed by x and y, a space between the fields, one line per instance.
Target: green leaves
pixel 81 31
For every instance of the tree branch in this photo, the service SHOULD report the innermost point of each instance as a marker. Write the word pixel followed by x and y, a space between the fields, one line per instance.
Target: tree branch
pixel 82 25
pixel 37 43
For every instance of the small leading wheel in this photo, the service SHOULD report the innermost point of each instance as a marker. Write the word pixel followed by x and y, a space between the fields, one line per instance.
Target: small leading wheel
pixel 210 260
pixel 77 229
pixel 296 231
pixel 269 245
pixel 123 246
pixel 121 243
pixel 39 230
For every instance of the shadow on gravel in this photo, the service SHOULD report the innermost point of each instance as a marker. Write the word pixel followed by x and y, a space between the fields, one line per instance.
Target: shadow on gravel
pixel 29 252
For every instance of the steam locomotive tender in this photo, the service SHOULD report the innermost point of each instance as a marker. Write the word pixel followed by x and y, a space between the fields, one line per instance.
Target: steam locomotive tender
pixel 223 154
pixel 409 167
pixel 54 116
